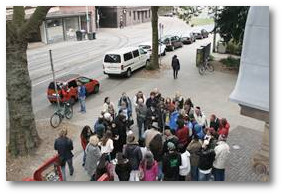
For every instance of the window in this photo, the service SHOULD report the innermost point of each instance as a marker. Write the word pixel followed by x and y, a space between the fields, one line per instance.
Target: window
pixel 149 13
pixel 130 13
pixel 134 15
pixel 84 80
pixel 128 56
pixel 138 15
pixel 72 83
pixel 51 86
pixel 112 58
pixel 142 51
pixel 136 53
pixel 145 14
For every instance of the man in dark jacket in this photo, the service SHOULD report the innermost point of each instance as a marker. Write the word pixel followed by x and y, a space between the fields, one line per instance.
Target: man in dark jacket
pixel 175 66
pixel 64 146
pixel 206 159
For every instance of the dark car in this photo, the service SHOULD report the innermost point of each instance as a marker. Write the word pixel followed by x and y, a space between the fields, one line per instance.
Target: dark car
pixel 172 42
pixel 69 82
pixel 200 34
pixel 188 38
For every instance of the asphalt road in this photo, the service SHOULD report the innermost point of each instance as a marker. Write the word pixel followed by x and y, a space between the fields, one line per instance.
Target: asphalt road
pixel 85 57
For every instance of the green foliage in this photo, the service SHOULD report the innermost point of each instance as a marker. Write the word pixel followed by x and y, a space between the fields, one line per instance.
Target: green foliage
pixel 231 23
pixel 231 62
pixel 234 48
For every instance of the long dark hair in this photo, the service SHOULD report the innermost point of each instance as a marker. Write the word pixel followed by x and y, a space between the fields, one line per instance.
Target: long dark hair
pixel 108 135
pixel 84 132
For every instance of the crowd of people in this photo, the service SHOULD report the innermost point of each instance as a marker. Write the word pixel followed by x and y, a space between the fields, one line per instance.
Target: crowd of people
pixel 173 141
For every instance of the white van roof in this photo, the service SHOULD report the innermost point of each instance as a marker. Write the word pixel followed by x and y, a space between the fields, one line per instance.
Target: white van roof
pixel 122 50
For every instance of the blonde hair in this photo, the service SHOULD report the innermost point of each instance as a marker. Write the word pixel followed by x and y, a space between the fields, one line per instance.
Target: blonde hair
pixel 63 131
pixel 94 140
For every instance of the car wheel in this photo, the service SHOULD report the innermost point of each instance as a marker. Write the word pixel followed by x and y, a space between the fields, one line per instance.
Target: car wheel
pixel 129 73
pixel 164 53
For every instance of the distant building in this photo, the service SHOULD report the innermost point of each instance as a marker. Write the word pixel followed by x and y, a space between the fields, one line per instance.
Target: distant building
pixel 112 16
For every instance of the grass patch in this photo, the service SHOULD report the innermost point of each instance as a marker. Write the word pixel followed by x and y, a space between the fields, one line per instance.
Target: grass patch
pixel 231 62
pixel 201 21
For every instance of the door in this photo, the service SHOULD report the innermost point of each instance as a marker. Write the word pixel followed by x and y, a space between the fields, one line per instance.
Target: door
pixel 137 59
pixel 143 57
pixel 128 61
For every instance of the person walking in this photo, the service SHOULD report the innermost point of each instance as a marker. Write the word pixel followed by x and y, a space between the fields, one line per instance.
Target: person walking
pixel 85 135
pixel 93 156
pixel 64 146
pixel 222 151
pixel 82 96
pixel 175 66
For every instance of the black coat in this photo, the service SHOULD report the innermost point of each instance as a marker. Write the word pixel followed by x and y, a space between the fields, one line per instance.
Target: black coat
pixel 206 158
pixel 64 146
pixel 175 64
pixel 134 154
pixel 215 124
pixel 122 132
pixel 123 171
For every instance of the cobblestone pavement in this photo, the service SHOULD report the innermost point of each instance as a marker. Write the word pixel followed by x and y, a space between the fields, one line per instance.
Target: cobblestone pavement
pixel 239 167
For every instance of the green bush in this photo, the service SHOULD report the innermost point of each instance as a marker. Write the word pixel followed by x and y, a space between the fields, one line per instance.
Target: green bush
pixel 231 62
pixel 233 48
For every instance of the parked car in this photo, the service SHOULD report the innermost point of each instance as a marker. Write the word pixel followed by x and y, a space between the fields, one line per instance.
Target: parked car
pixel 169 14
pixel 200 34
pixel 124 61
pixel 70 81
pixel 171 42
pixel 188 38
pixel 147 47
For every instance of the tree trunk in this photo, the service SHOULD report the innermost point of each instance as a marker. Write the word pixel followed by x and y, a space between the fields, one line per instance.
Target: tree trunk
pixel 23 137
pixel 154 23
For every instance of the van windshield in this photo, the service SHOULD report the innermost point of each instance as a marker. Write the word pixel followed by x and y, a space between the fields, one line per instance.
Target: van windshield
pixel 112 58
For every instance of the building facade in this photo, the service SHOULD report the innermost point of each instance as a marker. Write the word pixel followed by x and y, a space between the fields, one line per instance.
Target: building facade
pixel 113 16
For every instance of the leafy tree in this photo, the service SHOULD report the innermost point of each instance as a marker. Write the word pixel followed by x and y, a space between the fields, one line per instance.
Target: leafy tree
pixel 231 23
pixel 154 23
pixel 23 136
pixel 187 13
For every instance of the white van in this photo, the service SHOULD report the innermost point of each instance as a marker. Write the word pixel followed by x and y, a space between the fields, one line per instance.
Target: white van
pixel 124 61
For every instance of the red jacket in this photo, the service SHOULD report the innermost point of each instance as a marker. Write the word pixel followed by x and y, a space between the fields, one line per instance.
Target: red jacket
pixel 83 142
pixel 224 130
pixel 183 135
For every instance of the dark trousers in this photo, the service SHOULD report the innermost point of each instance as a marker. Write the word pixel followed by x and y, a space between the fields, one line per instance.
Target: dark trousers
pixel 194 173
pixel 182 178
pixel 219 174
pixel 175 73
pixel 71 168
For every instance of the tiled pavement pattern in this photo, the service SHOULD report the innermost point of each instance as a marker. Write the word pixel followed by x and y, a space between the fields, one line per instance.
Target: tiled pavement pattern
pixel 239 166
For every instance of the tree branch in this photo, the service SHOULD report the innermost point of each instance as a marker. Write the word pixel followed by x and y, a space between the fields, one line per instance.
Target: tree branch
pixel 35 20
pixel 18 15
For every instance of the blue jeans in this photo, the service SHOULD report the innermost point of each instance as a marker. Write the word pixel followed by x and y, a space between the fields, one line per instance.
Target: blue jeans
pixel 194 173
pixel 71 168
pixel 82 103
pixel 219 174
pixel 84 158
pixel 204 177
pixel 160 173
pixel 141 126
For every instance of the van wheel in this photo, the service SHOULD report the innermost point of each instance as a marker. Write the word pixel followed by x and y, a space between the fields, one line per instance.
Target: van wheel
pixel 129 73
pixel 164 53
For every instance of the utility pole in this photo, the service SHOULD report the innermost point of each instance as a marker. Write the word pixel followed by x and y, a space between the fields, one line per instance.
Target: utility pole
pixel 87 20
pixel 214 34
pixel 54 80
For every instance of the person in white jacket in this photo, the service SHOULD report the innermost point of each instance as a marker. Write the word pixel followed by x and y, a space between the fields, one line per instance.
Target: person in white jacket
pixel 222 151
pixel 185 167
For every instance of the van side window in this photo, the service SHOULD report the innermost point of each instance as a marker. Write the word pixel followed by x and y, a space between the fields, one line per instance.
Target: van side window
pixel 72 83
pixel 128 56
pixel 112 58
pixel 136 53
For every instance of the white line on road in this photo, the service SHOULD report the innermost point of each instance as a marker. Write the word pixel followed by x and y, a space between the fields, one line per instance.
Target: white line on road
pixel 50 78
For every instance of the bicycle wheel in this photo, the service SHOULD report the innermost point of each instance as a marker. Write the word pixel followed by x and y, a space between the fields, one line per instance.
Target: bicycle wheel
pixel 210 67
pixel 55 120
pixel 201 69
pixel 69 111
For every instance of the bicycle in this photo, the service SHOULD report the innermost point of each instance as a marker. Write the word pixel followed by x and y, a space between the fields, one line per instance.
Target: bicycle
pixel 63 111
pixel 205 66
